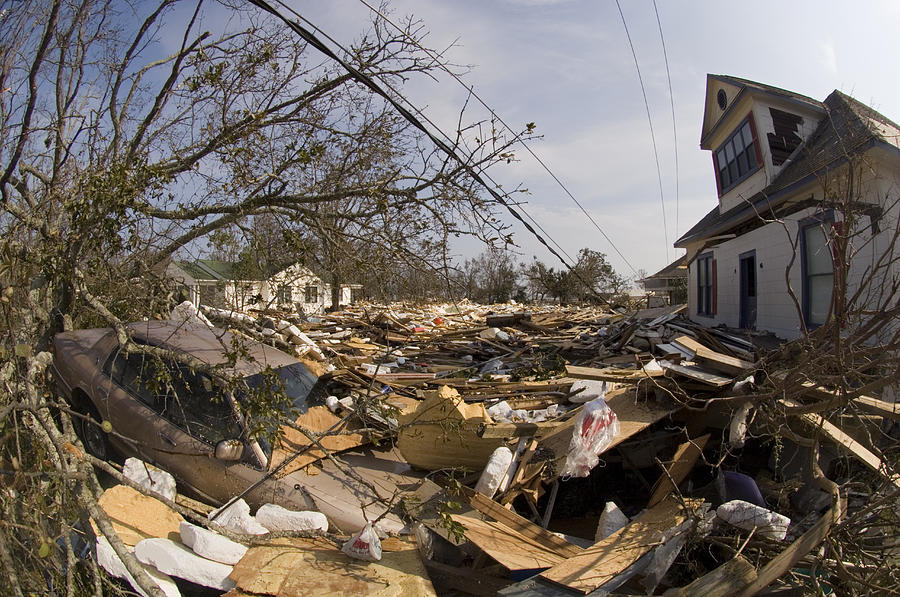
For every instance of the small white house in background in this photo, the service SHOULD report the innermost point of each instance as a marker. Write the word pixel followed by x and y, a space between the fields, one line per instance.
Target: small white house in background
pixel 779 159
pixel 221 284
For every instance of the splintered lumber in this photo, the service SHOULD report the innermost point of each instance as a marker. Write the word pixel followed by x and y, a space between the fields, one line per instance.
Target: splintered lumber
pixel 721 582
pixel 714 360
pixel 521 525
pixel 299 567
pixel 612 373
pixel 441 433
pixel 609 557
pixel 510 548
pixel 844 441
pixel 317 419
pixel 136 516
pixel 697 374
pixel 867 403
pixel 683 462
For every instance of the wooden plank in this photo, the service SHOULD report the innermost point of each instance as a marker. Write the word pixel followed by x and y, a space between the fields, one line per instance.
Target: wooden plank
pixel 611 373
pixel 721 582
pixel 856 449
pixel 510 430
pixel 786 560
pixel 879 407
pixel 317 419
pixel 683 462
pixel 609 557
pixel 508 547
pixel 712 359
pixel 521 525
pixel 697 374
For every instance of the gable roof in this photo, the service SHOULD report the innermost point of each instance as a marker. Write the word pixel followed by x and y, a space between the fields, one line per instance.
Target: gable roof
pixel 849 128
pixel 676 269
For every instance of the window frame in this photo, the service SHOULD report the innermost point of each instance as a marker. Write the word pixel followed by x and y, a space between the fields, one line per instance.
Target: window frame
pixel 311 293
pixel 706 284
pixel 733 165
pixel 284 294
pixel 825 221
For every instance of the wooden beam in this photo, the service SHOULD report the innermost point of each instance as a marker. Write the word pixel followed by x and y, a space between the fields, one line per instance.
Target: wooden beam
pixel 683 462
pixel 697 374
pixel 721 582
pixel 611 374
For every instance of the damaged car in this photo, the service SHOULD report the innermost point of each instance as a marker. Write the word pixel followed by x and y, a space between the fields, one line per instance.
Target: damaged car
pixel 185 419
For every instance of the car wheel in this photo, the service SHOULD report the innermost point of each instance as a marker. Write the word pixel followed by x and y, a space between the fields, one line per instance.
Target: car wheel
pixel 92 435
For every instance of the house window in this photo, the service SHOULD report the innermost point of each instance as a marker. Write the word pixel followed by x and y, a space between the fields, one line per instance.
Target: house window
pixel 818 273
pixel 706 285
pixel 312 294
pixel 285 294
pixel 736 158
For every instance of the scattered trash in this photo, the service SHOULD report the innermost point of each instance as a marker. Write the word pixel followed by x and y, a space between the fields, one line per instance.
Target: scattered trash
pixel 364 545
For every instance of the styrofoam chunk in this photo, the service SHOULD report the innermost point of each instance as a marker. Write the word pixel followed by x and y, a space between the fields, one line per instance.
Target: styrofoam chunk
pixel 177 560
pixel 211 545
pixel 494 471
pixel 150 477
pixel 611 520
pixel 186 312
pixel 747 516
pixel 109 561
pixel 237 518
pixel 277 518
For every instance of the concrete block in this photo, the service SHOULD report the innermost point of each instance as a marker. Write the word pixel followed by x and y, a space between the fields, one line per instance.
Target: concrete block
pixel 277 518
pixel 211 545
pixel 177 560
pixel 150 477
pixel 109 561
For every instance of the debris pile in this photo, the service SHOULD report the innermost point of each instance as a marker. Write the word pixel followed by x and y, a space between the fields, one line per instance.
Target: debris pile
pixel 567 451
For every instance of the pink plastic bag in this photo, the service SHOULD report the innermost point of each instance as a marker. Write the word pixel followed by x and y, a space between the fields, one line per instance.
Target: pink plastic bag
pixel 595 429
pixel 364 545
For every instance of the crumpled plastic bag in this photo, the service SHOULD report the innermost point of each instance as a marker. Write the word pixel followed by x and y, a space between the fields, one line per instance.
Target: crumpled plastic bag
pixel 364 545
pixel 595 428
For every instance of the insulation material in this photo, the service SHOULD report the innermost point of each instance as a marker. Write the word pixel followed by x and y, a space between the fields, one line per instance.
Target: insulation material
pixel 277 518
pixel 236 517
pixel 494 471
pixel 149 477
pixel 747 516
pixel 211 545
pixel 177 560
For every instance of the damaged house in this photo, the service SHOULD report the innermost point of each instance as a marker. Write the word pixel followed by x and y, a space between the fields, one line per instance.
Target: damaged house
pixel 224 284
pixel 796 177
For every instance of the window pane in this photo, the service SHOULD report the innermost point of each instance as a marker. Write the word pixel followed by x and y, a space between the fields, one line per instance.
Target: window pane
pixel 721 162
pixel 818 253
pixel 724 178
pixel 729 152
pixel 819 298
pixel 743 166
pixel 745 134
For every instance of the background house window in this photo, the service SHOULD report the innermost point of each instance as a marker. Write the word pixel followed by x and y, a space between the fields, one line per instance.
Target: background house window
pixel 285 294
pixel 706 285
pixel 818 274
pixel 312 294
pixel 736 158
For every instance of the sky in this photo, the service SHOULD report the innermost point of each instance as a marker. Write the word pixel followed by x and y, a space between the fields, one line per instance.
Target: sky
pixel 567 66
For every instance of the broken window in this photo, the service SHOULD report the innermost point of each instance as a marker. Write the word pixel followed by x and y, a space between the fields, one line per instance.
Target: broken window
pixel 785 139
pixel 736 158
pixel 706 285
pixel 818 273
pixel 285 294
pixel 312 294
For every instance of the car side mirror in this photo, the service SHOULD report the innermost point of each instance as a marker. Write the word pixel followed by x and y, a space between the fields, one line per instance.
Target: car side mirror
pixel 229 449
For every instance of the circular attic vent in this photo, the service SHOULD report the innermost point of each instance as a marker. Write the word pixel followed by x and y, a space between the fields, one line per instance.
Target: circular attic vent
pixel 722 99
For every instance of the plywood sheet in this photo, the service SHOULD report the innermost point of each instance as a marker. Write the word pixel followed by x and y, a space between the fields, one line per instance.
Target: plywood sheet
pixel 317 568
pixel 136 516
pixel 510 548
pixel 318 419
pixel 609 557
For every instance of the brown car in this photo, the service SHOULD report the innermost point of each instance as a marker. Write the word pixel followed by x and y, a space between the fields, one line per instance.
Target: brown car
pixel 187 423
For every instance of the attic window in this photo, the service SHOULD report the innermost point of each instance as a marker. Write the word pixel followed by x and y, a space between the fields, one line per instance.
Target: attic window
pixel 736 159
pixel 785 139
pixel 722 99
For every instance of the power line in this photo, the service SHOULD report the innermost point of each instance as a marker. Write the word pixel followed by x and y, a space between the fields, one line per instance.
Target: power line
pixel 672 104
pixel 373 86
pixel 456 77
pixel 652 134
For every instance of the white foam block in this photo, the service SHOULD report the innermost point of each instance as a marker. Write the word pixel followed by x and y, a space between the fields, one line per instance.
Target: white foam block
pixel 109 561
pixel 150 477
pixel 237 518
pixel 745 515
pixel 211 545
pixel 177 560
pixel 277 518
pixel 611 520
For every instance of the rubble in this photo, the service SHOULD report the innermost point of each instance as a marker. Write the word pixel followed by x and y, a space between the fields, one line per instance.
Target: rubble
pixel 626 433
pixel 175 559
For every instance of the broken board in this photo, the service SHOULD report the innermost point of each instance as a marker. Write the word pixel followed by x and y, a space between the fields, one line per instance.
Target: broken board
pixel 683 462
pixel 136 516
pixel 315 567
pixel 609 557
pixel 317 419
pixel 695 373
pixel 614 374
pixel 510 548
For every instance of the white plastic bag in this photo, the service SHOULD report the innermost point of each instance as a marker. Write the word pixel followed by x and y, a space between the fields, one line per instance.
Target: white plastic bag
pixel 364 545
pixel 595 429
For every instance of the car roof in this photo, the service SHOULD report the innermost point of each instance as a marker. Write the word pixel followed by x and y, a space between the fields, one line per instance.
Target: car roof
pixel 211 345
